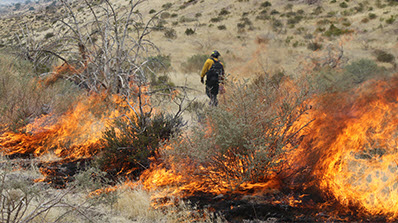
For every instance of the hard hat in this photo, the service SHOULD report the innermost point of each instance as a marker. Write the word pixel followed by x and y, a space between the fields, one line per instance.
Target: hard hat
pixel 215 53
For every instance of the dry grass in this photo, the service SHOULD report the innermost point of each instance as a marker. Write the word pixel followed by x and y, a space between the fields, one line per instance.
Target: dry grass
pixel 136 204
pixel 23 97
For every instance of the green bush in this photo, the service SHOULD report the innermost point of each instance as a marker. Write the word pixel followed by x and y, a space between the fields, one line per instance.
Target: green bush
pixel 194 63
pixel 390 20
pixel 343 5
pixel 361 70
pixel 159 63
pixel 383 56
pixel 274 12
pixel 372 16
pixel 334 31
pixel 189 31
pixel 357 72
pixel 49 35
pixel 266 4
pixel 131 141
pixel 246 138
pixel 216 19
pixel 221 27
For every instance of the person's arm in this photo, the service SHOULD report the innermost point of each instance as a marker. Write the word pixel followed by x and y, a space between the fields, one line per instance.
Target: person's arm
pixel 206 68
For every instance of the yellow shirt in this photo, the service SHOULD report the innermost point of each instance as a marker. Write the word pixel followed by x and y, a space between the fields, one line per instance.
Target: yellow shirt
pixel 206 67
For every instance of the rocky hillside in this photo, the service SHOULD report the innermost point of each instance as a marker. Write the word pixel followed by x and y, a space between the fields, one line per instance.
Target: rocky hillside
pixel 252 35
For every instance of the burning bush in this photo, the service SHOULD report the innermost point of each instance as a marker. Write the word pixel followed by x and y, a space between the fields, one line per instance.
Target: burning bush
pixel 131 141
pixel 245 139
pixel 23 98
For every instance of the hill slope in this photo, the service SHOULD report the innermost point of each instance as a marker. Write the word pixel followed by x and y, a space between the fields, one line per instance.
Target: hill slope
pixel 253 36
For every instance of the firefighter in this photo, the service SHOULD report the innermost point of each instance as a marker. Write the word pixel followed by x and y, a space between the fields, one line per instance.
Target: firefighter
pixel 213 69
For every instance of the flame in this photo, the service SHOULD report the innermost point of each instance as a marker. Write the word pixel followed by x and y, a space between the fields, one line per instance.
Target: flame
pixel 349 152
pixel 352 148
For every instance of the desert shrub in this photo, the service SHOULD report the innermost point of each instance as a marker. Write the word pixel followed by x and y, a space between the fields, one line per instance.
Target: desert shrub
pixel 266 4
pixel 276 24
pixel 294 20
pixel 383 56
pixel 221 27
pixel 165 15
pixel 318 10
pixel 131 141
pixel 167 5
pixel 365 20
pixel 335 31
pixel 314 46
pixel 216 19
pixel 194 63
pixel 390 20
pixel 49 35
pixel 224 12
pixel 158 63
pixel 152 11
pixel 24 97
pixel 189 31
pixel 170 33
pixel 372 16
pixel 361 70
pixel 360 7
pixel 343 5
pixel 246 138
pixel 330 80
pixel 274 12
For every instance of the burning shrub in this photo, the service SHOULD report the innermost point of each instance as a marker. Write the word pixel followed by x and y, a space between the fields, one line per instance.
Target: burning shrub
pixel 246 138
pixel 131 142
pixel 23 99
